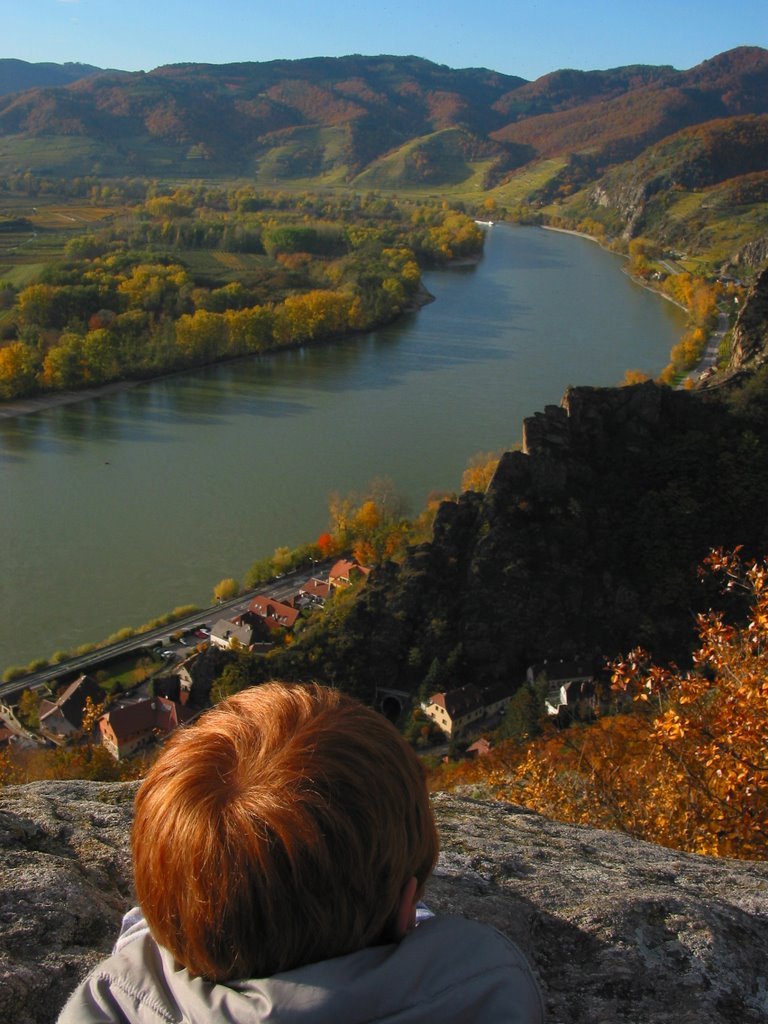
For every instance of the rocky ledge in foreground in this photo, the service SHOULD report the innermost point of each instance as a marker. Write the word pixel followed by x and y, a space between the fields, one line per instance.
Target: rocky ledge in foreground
pixel 617 929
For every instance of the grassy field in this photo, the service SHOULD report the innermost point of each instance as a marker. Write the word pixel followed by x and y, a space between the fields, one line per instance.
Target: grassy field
pixel 25 250
pixel 527 180
pixel 221 267
pixel 311 156
pixel 709 227
pixel 54 154
pixel 130 672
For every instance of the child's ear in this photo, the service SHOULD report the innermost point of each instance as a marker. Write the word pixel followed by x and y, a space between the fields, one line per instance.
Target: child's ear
pixel 405 919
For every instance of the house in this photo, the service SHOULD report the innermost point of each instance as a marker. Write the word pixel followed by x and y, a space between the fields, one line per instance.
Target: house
pixel 127 728
pixel 275 613
pixel 230 634
pixel 62 718
pixel 480 748
pixel 455 711
pixel 570 687
pixel 318 591
pixel 346 571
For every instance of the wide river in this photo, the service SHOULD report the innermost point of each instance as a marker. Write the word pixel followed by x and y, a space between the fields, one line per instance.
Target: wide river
pixel 116 509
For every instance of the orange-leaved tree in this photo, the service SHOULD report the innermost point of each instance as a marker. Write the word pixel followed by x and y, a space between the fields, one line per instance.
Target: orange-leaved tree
pixel 711 724
pixel 687 766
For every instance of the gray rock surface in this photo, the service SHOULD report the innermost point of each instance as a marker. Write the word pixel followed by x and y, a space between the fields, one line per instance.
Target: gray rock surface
pixel 617 929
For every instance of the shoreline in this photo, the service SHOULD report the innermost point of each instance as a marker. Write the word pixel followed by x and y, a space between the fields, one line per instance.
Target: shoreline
pixel 41 403
pixel 637 280
pixel 579 234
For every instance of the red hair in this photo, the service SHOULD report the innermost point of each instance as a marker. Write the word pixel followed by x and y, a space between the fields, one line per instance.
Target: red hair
pixel 279 830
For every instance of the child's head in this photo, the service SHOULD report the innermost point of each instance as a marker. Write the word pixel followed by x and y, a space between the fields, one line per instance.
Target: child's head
pixel 278 830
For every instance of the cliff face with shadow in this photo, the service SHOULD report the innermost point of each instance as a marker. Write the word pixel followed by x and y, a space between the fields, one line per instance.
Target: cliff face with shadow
pixel 750 333
pixel 587 543
pixel 617 930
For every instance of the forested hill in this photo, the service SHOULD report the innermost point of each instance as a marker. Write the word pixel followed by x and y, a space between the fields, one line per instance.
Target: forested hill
pixel 380 120
pixel 326 118
pixel 586 544
pixel 18 75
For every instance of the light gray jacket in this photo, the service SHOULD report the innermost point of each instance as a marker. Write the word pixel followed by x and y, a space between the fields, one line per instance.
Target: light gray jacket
pixel 447 971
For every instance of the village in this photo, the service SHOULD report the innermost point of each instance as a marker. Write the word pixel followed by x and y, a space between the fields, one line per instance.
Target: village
pixel 183 668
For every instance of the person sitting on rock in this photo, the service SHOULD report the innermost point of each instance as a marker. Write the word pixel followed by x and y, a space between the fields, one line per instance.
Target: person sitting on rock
pixel 281 846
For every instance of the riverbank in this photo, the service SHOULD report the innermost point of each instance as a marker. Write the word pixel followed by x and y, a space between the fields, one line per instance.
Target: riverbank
pixel 39 403
pixel 52 400
pixel 579 234
pixel 637 280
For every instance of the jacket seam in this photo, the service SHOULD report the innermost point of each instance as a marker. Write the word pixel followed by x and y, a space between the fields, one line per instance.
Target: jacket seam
pixel 147 999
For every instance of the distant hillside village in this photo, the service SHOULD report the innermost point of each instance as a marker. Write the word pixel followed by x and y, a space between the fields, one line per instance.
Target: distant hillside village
pixel 82 712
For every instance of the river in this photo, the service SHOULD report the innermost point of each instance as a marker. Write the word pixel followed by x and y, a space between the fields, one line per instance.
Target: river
pixel 116 509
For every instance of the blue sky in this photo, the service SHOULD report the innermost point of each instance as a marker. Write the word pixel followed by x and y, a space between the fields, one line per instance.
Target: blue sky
pixel 517 37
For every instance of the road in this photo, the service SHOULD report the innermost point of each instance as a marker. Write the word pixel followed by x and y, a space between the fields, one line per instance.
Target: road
pixel 709 357
pixel 279 589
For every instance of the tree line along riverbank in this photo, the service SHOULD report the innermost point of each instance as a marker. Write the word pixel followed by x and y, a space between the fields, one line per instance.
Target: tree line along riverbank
pixel 172 282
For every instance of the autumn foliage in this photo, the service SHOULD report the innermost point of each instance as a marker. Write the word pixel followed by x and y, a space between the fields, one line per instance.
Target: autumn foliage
pixel 158 294
pixel 479 471
pixel 685 762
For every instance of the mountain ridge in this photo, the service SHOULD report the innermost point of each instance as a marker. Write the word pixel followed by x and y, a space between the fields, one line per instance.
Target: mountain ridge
pixel 234 106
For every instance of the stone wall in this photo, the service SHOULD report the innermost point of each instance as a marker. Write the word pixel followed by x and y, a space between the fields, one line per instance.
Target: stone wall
pixel 617 930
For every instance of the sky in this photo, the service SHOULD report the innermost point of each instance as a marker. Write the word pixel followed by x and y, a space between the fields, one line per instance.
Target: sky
pixel 516 37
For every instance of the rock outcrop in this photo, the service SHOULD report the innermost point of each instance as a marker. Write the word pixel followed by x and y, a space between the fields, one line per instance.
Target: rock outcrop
pixel 617 930
pixel 750 333
pixel 754 254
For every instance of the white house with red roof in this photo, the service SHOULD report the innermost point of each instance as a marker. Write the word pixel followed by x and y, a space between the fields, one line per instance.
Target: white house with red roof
pixel 455 711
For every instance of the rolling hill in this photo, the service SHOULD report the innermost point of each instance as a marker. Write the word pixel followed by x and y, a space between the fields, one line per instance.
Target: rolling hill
pixel 18 75
pixel 609 145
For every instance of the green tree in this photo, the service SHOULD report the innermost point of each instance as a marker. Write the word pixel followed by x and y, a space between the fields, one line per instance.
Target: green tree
pixel 29 708
pixel 63 366
pixel 523 715
pixel 35 305
pixel 100 356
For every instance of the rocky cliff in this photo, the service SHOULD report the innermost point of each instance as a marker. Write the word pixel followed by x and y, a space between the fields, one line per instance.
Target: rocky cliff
pixel 617 930
pixel 749 350
pixel 587 543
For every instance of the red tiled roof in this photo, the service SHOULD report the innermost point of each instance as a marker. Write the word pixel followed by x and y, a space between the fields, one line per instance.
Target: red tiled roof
pixel 343 569
pixel 459 702
pixel 275 612
pixel 480 747
pixel 316 588
pixel 144 716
